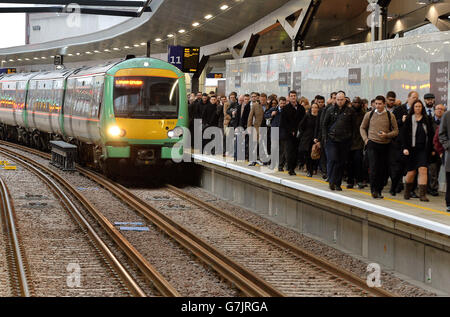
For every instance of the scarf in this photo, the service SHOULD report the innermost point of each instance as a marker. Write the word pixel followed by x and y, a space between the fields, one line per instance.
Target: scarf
pixel 414 129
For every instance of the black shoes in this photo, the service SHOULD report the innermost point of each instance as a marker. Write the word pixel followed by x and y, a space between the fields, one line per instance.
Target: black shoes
pixel 434 193
pixel 375 195
pixel 280 169
pixel 414 195
pixel 324 176
pixel 252 164
pixel 392 192
pixel 350 186
pixel 338 188
pixel 292 173
pixel 380 195
pixel 332 187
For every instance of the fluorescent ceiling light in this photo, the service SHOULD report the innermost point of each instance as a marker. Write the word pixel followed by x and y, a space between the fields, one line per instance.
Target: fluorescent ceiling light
pixel 158 40
pixel 181 31
pixel 195 24
pixel 224 7
pixel 209 16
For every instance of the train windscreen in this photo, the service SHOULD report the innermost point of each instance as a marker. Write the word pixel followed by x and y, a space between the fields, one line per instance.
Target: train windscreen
pixel 146 97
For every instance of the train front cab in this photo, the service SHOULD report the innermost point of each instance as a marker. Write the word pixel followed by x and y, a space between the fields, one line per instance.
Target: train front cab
pixel 143 125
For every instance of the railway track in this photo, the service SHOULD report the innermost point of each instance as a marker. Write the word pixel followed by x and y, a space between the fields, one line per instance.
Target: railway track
pixel 319 263
pixel 149 272
pixel 248 282
pixel 18 267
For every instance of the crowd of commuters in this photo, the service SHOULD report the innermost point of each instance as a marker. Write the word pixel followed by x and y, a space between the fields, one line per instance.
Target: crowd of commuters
pixel 345 140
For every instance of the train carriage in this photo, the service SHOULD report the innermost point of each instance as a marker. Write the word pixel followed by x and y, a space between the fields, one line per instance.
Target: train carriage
pixel 130 113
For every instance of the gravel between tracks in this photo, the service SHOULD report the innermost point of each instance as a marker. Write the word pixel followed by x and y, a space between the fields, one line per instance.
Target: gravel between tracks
pixel 347 262
pixel 52 241
pixel 5 284
pixel 183 270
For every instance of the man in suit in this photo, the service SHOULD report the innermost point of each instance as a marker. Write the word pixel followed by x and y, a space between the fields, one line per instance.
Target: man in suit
pixel 429 104
pixel 294 113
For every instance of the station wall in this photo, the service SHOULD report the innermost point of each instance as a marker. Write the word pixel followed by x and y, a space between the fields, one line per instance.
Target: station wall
pixel 366 70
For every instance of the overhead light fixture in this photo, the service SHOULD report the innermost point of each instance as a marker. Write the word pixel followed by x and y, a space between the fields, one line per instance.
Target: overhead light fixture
pixel 209 16
pixel 11 60
pixel 158 40
pixel 195 24
pixel 136 45
pixel 89 53
pixel 170 35
pixel 360 29
pixel 106 50
pixel 126 46
pixel 181 31
pixel 116 48
pixel 143 43
pixel 38 58
pixel 68 54
pixel 52 56
pixel 224 7
pixel 96 51
pixel 43 57
pixel 421 2
pixel 19 59
pixel 27 59
pixel 78 54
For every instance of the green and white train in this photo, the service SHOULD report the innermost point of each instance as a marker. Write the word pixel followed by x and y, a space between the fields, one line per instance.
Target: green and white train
pixel 129 113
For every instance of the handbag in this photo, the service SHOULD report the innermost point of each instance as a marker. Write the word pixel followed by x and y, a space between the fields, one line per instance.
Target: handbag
pixel 315 152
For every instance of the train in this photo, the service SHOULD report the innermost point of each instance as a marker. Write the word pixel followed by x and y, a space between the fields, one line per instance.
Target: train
pixel 130 113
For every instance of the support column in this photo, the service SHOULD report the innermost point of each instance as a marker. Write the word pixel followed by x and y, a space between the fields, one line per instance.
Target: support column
pixel 196 77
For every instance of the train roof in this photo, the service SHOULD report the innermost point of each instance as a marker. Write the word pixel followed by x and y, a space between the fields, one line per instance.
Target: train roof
pixel 18 77
pixel 54 74
pixel 97 69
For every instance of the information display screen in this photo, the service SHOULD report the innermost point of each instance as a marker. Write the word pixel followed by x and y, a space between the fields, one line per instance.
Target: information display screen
pixel 8 71
pixel 191 59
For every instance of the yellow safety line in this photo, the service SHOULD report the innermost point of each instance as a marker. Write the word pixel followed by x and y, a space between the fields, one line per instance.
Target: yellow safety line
pixel 388 199
pixel 368 194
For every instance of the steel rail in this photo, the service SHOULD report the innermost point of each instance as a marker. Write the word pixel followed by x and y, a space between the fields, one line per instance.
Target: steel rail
pixel 300 252
pixel 37 169
pixel 248 282
pixel 8 213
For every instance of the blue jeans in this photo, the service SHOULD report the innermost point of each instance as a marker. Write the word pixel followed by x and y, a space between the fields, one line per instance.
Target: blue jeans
pixel 337 153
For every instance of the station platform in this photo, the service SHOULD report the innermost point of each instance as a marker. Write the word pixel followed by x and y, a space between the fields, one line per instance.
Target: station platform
pixel 411 237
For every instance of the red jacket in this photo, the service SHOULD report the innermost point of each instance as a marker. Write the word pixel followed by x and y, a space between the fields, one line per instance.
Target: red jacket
pixel 437 145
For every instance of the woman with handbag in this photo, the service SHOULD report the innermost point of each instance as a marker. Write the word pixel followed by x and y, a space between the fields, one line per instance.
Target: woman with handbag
pixel 306 129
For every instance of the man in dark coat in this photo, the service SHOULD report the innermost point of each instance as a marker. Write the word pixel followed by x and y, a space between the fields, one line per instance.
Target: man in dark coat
pixel 294 113
pixel 355 160
pixel 338 128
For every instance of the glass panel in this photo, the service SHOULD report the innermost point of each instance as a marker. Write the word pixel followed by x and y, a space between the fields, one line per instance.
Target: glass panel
pixel 146 97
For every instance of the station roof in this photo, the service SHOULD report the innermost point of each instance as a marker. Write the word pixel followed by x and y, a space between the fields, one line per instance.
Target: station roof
pixel 167 17
pixel 335 22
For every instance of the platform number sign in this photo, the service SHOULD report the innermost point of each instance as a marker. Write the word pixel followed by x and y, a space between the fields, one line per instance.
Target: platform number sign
pixel 185 59
pixel 176 56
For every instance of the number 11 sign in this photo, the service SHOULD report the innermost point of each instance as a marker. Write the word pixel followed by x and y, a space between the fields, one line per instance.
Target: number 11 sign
pixel 176 56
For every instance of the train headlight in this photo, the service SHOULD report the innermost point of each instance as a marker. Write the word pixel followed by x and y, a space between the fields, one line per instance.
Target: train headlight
pixel 175 133
pixel 115 131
